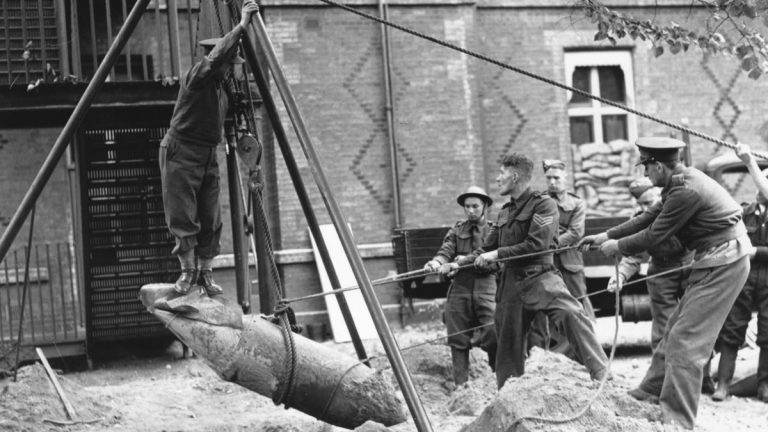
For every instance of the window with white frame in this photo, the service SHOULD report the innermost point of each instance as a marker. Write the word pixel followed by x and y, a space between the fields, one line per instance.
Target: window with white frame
pixel 607 74
pixel 601 134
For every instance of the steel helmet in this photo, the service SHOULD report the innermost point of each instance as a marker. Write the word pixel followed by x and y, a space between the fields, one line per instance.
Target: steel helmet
pixel 474 191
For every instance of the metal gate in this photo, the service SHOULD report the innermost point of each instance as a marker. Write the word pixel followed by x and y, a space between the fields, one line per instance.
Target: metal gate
pixel 126 243
pixel 53 316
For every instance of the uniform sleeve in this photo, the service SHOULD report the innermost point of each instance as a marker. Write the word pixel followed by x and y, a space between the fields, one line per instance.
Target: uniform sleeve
pixel 637 223
pixel 541 232
pixel 681 204
pixel 630 265
pixel 222 53
pixel 575 230
pixel 447 251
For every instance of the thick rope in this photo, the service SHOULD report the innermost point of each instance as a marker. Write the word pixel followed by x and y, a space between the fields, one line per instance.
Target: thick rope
pixel 636 281
pixel 415 274
pixel 503 65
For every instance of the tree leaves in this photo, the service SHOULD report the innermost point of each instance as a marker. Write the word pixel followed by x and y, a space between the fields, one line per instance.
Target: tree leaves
pixel 728 31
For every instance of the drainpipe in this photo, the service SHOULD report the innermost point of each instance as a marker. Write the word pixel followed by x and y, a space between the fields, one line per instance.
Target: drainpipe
pixel 390 109
pixel 61 31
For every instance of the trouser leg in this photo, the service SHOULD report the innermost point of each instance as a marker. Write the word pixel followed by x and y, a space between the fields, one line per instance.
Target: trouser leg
pixel 181 176
pixel 458 318
pixel 485 307
pixel 510 350
pixel 664 292
pixel 762 375
pixel 539 333
pixel 725 371
pixel 569 319
pixel 577 286
pixel 678 362
pixel 460 360
pixel 209 210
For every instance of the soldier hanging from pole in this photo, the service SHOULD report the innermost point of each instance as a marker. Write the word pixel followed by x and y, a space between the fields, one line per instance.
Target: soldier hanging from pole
pixel 188 166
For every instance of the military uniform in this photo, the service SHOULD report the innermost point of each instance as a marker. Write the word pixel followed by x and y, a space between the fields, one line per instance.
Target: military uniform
pixel 664 291
pixel 471 297
pixel 706 219
pixel 572 210
pixel 570 263
pixel 188 166
pixel 754 294
pixel 528 225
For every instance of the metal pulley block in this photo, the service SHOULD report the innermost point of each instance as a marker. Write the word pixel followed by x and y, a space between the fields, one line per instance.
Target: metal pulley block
pixel 249 150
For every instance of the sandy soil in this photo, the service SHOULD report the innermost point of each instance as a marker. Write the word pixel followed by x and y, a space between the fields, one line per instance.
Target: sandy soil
pixel 169 393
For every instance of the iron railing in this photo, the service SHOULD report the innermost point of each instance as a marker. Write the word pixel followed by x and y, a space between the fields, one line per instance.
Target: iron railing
pixel 53 311
pixel 65 40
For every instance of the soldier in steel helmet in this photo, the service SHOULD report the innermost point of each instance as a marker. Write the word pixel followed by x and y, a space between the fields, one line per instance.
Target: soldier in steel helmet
pixel 470 301
pixel 189 170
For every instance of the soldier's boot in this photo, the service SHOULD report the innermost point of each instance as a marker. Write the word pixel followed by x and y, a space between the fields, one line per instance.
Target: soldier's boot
pixel 460 358
pixel 188 275
pixel 762 375
pixel 206 278
pixel 725 371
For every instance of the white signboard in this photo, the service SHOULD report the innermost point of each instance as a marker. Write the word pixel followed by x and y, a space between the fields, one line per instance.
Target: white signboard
pixel 357 306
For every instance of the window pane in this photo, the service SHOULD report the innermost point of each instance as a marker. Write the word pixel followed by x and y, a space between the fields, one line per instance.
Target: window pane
pixel 581 130
pixel 614 127
pixel 611 83
pixel 581 82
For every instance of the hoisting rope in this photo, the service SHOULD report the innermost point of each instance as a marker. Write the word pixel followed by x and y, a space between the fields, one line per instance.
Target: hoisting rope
pixel 415 274
pixel 283 315
pixel 643 279
pixel 549 81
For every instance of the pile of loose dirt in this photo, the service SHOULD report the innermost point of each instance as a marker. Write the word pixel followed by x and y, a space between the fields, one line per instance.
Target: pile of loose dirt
pixel 26 404
pixel 555 387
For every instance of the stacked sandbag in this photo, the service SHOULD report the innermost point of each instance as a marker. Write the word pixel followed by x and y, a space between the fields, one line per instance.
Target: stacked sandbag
pixel 602 173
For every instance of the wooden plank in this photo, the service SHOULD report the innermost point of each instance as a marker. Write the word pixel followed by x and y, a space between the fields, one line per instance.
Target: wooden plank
pixel 52 375
pixel 361 315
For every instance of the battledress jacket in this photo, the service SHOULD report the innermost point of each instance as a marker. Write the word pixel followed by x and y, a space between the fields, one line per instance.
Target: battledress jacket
pixel 695 208
pixel 527 225
pixel 462 240
pixel 573 213
pixel 201 107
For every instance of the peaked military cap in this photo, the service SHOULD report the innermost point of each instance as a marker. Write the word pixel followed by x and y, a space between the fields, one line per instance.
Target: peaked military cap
pixel 208 44
pixel 548 164
pixel 638 187
pixel 477 192
pixel 658 149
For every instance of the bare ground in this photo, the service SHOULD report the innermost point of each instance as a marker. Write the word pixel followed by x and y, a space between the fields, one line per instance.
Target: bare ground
pixel 169 393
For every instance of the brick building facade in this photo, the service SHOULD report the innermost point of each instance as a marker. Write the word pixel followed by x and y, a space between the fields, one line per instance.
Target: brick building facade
pixel 454 115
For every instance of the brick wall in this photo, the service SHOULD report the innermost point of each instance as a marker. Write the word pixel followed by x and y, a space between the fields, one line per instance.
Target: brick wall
pixel 455 115
pixel 22 152
pixel 334 63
